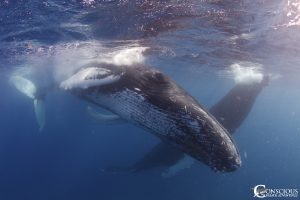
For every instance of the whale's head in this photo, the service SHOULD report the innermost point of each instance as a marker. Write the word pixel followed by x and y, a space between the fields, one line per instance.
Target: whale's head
pixel 218 147
pixel 201 136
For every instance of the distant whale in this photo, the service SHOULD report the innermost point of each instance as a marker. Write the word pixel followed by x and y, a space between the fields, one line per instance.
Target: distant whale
pixel 149 99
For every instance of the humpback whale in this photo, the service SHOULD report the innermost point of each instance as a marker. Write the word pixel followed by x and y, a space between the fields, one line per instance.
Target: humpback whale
pixel 130 91
pixel 149 99
pixel 145 97
pixel 230 111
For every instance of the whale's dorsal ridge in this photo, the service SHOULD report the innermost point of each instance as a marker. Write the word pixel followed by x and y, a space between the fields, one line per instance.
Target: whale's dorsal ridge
pixel 40 113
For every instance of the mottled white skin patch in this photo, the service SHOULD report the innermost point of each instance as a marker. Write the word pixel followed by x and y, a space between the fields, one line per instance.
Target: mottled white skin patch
pixel 134 108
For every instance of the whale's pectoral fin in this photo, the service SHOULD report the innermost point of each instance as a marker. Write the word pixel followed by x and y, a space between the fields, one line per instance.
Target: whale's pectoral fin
pixel 24 85
pixel 40 113
pixel 28 88
pixel 103 117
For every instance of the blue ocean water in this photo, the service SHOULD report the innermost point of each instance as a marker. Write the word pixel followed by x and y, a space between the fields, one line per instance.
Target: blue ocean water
pixel 199 44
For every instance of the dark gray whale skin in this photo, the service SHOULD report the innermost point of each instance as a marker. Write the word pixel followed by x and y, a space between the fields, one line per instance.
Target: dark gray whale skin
pixel 230 111
pixel 149 99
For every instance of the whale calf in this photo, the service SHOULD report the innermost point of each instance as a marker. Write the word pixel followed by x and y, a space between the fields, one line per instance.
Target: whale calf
pixel 149 99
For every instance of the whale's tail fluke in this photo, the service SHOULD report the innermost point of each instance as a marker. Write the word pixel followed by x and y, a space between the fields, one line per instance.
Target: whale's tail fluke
pixel 28 88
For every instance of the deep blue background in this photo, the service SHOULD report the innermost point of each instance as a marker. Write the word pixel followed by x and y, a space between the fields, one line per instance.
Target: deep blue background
pixel 64 161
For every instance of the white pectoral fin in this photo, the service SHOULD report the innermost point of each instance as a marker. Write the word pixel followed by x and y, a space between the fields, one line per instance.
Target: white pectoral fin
pixel 24 85
pixel 40 112
pixel 103 117
pixel 28 88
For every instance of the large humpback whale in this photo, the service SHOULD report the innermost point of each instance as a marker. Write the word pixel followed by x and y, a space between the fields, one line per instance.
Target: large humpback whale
pixel 230 111
pixel 149 99
pixel 143 96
